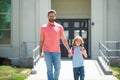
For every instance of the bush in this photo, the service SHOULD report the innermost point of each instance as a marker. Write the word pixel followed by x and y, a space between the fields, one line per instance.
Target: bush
pixel 13 73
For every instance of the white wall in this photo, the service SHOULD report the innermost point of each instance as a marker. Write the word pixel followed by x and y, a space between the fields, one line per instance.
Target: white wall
pixel 33 15
pixel 113 18
pixel 28 10
pixel 72 8
pixel 27 26
pixel 27 17
pixel 12 50
pixel 15 29
pixel 97 30
pixel 42 8
pixel 105 15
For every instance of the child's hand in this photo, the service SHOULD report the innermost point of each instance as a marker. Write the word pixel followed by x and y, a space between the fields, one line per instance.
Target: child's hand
pixel 83 52
pixel 69 53
pixel 85 55
pixel 82 48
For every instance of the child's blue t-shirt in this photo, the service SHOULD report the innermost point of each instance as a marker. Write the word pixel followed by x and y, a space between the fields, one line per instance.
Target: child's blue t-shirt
pixel 77 59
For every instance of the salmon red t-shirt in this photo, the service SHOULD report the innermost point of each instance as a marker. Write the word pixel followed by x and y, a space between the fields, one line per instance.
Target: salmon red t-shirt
pixel 51 33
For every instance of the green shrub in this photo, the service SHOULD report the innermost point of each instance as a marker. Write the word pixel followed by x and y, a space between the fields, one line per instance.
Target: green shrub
pixel 12 73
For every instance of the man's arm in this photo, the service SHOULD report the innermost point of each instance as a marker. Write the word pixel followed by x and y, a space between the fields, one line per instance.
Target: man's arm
pixel 64 40
pixel 41 45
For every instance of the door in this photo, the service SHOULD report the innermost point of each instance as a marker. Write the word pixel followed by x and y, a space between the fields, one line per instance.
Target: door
pixel 74 27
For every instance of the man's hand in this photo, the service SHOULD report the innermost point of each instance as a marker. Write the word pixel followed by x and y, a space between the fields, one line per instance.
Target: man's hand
pixel 41 53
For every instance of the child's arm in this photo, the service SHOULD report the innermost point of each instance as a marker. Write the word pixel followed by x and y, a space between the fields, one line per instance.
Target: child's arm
pixel 84 54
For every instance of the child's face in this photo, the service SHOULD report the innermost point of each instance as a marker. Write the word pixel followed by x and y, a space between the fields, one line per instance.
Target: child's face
pixel 78 42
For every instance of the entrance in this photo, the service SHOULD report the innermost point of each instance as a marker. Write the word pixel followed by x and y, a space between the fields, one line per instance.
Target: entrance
pixel 74 27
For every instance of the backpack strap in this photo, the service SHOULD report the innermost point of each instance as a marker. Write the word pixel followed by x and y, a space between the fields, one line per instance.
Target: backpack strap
pixel 72 51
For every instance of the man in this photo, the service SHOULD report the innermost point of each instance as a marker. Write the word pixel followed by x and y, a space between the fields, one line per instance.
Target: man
pixel 50 35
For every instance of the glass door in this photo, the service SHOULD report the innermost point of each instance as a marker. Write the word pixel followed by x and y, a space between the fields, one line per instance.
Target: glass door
pixel 72 28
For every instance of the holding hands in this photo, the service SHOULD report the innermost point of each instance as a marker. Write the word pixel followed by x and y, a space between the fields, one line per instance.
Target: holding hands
pixel 69 53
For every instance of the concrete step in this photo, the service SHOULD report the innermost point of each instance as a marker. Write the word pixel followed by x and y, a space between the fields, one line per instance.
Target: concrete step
pixel 104 66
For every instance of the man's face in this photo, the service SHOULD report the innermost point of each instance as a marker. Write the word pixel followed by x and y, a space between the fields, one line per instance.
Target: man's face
pixel 51 17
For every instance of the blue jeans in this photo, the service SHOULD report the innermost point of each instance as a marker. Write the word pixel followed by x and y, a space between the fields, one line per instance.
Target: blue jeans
pixel 53 59
pixel 79 72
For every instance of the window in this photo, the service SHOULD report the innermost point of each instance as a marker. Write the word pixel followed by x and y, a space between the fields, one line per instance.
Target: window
pixel 5 21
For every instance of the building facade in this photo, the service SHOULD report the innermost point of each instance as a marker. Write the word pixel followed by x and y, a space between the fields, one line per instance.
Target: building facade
pixel 21 20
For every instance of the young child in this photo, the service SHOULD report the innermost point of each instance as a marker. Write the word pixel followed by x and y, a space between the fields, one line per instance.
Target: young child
pixel 78 55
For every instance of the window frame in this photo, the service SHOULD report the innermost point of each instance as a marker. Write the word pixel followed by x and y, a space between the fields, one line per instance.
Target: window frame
pixel 10 29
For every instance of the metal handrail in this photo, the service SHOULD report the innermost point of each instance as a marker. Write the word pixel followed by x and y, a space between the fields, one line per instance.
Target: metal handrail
pixel 103 46
pixel 112 43
pixel 109 50
pixel 36 58
pixel 106 60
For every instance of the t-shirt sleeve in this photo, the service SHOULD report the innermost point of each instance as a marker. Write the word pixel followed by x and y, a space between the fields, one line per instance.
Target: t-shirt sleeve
pixel 41 31
pixel 61 31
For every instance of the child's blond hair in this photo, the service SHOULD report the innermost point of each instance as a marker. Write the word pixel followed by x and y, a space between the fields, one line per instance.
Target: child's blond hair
pixel 78 38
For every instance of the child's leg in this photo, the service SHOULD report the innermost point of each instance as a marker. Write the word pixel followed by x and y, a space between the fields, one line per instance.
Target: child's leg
pixel 82 73
pixel 76 73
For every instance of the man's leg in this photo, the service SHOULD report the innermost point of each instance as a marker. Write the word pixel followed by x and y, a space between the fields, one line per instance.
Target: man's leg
pixel 49 65
pixel 57 64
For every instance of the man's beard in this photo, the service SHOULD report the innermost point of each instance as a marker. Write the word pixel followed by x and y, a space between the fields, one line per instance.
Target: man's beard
pixel 51 20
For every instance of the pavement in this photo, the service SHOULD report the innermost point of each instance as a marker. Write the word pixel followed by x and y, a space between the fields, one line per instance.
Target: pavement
pixel 92 71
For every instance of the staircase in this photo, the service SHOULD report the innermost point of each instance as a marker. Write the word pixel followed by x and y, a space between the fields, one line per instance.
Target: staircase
pixel 109 55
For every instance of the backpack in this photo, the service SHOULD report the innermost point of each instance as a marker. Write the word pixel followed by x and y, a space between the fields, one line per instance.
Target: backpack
pixel 83 54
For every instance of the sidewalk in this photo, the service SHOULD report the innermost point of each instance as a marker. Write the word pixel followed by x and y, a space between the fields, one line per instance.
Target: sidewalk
pixel 92 71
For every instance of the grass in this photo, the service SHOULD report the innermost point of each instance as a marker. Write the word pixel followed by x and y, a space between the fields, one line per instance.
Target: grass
pixel 13 73
pixel 116 72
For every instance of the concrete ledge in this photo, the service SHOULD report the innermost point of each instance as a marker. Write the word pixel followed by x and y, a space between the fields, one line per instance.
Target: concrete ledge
pixel 22 62
pixel 115 61
pixel 105 69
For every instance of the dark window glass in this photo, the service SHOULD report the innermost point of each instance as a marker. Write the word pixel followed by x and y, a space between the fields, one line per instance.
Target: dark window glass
pixel 5 21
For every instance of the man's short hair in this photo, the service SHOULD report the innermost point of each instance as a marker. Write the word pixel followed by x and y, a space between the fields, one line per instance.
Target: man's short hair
pixel 52 11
